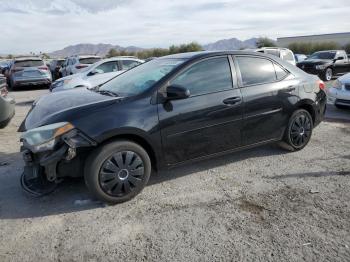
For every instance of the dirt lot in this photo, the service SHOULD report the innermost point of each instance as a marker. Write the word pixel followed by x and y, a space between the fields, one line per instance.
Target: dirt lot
pixel 261 204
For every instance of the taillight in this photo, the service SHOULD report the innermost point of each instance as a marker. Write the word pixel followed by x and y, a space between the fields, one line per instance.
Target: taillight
pixel 80 66
pixel 3 92
pixel 43 68
pixel 321 84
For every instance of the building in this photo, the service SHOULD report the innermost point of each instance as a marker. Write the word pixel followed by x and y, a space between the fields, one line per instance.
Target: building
pixel 339 38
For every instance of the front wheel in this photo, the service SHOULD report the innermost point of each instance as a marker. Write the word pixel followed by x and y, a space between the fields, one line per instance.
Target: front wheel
pixel 118 171
pixel 299 130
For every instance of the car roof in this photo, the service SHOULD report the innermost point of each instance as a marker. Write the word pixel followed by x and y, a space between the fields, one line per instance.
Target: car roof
pixel 86 56
pixel 202 54
pixel 118 58
pixel 27 58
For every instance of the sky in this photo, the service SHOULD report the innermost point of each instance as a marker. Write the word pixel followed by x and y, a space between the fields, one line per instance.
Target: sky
pixel 49 25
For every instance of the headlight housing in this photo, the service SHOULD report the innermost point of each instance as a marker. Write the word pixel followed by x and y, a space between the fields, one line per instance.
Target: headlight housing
pixel 320 67
pixel 337 84
pixel 44 138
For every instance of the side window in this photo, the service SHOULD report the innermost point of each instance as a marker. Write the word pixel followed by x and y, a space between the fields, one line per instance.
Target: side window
pixel 127 64
pixel 208 76
pixel 280 72
pixel 107 67
pixel 255 70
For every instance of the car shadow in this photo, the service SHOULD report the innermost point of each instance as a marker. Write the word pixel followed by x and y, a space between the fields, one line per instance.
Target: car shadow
pixel 72 195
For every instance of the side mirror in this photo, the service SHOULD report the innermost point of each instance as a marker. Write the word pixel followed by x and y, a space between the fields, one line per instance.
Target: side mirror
pixel 175 92
pixel 339 58
pixel 93 72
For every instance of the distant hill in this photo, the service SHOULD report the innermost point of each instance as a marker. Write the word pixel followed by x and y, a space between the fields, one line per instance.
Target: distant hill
pixel 91 49
pixel 231 44
pixel 102 49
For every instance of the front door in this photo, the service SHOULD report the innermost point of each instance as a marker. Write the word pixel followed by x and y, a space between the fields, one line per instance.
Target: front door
pixel 207 122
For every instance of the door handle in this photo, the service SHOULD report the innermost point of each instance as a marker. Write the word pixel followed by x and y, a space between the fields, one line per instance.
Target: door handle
pixel 288 89
pixel 232 100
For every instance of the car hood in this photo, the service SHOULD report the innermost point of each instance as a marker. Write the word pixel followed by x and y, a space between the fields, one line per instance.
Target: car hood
pixel 315 62
pixel 64 106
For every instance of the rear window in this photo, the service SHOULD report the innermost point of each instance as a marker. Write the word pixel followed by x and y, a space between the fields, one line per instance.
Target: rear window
pixel 29 63
pixel 90 60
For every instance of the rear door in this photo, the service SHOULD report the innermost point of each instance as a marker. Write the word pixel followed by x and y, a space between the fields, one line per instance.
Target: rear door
pixel 269 92
pixel 342 65
pixel 210 120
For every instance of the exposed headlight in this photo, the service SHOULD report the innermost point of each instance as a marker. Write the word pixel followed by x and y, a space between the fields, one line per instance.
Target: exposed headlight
pixel 337 84
pixel 44 138
pixel 320 67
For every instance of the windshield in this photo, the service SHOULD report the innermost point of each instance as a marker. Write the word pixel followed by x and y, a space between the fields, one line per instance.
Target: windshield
pixel 142 77
pixel 322 55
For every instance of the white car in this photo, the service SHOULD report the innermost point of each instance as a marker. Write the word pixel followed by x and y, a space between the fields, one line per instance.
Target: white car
pixel 96 74
pixel 283 53
pixel 74 64
pixel 339 92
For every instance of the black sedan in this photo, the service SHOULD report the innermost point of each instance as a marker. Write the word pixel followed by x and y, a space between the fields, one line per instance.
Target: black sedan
pixel 169 111
pixel 7 104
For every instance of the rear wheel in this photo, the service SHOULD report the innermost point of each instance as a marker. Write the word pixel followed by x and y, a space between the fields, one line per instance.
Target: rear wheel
pixel 118 171
pixel 299 130
pixel 342 107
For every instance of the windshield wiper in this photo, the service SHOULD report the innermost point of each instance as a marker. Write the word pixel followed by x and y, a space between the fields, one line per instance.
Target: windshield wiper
pixel 107 92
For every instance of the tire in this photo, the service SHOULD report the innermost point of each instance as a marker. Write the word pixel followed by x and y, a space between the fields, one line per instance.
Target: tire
pixel 341 106
pixel 299 130
pixel 118 171
pixel 327 74
pixel 12 87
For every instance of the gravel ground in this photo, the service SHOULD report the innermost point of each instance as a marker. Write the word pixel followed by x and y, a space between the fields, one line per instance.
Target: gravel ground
pixel 263 204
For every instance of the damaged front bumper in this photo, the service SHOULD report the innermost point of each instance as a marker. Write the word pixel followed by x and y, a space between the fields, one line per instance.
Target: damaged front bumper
pixel 43 170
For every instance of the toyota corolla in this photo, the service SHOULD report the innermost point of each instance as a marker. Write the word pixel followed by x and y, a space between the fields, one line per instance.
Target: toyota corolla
pixel 169 111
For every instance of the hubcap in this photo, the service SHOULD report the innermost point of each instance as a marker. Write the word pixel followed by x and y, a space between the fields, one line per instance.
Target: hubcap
pixel 121 173
pixel 301 130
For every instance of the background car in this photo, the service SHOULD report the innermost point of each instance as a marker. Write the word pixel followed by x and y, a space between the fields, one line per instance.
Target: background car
pixel 339 92
pixel 283 53
pixel 7 104
pixel 96 74
pixel 166 112
pixel 326 64
pixel 300 57
pixel 28 71
pixel 73 64
pixel 4 66
pixel 55 66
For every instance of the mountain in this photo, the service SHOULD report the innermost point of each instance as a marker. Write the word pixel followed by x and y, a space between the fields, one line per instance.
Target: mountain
pixel 102 49
pixel 91 49
pixel 231 44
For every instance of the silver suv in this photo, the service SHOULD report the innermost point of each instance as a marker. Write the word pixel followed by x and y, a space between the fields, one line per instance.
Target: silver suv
pixel 73 64
pixel 28 71
pixel 283 53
